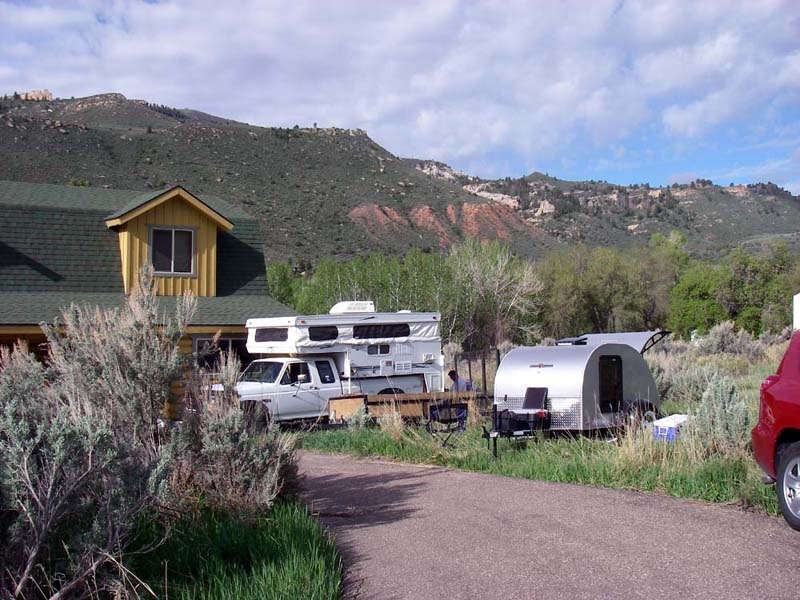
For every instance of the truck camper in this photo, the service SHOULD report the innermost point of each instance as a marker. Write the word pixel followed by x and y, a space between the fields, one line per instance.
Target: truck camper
pixel 306 360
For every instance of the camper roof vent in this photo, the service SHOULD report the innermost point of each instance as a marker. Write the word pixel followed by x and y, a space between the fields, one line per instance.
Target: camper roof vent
pixel 353 306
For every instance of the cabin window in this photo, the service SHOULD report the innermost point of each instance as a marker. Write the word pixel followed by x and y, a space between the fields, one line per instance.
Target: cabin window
pixel 209 360
pixel 610 384
pixel 378 330
pixel 293 370
pixel 172 251
pixel 325 371
pixel 378 349
pixel 323 333
pixel 272 334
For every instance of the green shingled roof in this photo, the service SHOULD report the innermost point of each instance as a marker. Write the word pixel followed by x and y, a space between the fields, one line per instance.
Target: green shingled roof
pixel 54 238
pixel 112 203
pixel 31 308
pixel 221 207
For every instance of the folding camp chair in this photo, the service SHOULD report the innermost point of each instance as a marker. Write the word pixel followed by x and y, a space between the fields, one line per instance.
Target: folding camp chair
pixel 533 413
pixel 520 423
pixel 446 420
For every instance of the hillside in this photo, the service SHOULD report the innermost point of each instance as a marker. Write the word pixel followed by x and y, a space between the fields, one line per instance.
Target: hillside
pixel 712 217
pixel 335 192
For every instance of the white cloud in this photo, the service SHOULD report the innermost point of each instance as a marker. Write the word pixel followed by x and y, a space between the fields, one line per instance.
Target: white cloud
pixel 467 81
pixel 693 118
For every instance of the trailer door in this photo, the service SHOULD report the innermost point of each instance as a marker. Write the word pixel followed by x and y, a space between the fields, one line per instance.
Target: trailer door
pixel 610 383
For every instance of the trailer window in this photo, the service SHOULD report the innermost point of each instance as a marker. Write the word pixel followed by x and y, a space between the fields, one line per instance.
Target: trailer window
pixel 325 371
pixel 388 330
pixel 610 384
pixel 322 333
pixel 272 334
pixel 378 349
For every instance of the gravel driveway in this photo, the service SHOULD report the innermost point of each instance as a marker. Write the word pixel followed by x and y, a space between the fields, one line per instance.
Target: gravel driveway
pixel 424 532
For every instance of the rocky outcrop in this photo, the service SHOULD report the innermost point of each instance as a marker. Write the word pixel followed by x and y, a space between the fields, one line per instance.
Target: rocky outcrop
pixel 484 221
pixel 37 96
pixel 378 221
pixel 479 189
pixel 487 221
pixel 545 208
pixel 425 218
pixel 440 171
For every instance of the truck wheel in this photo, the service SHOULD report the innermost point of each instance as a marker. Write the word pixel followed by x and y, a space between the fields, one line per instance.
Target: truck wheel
pixel 787 485
pixel 390 391
pixel 257 417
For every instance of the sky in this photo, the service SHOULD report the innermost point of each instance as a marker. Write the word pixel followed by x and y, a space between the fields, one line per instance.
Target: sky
pixel 623 91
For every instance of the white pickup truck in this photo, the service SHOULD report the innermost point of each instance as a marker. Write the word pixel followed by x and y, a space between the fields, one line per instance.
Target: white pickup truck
pixel 310 359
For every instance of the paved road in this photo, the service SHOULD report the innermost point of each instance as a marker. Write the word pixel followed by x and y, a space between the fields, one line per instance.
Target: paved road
pixel 423 532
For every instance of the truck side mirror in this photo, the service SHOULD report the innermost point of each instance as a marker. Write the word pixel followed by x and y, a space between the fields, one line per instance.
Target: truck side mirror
pixel 302 378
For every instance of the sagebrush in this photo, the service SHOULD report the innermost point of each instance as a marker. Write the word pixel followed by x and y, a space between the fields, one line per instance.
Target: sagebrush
pixel 84 454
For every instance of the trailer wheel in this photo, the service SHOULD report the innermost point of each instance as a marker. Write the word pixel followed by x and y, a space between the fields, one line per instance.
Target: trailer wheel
pixel 390 392
pixel 642 413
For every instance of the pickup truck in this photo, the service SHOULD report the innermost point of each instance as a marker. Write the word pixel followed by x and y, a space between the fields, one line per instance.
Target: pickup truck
pixel 295 388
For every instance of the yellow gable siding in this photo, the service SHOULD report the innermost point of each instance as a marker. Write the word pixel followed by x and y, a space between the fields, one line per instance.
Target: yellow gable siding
pixel 134 240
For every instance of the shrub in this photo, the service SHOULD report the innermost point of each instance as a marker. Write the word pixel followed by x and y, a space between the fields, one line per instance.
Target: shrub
pixel 359 419
pixel 80 443
pixel 720 422
pixel 214 459
pixel 767 338
pixel 82 455
pixel 724 338
pixel 681 379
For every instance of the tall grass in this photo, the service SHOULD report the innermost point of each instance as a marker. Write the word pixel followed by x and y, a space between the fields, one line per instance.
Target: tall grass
pixel 716 383
pixel 635 461
pixel 285 555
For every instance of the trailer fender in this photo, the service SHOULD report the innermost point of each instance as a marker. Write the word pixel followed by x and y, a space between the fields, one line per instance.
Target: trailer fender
pixel 641 411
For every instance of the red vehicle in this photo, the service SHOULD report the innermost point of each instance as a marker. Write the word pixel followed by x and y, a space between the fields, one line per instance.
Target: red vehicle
pixel 776 437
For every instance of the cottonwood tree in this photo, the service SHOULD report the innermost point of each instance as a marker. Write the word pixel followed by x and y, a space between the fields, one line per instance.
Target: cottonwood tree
pixel 604 289
pixel 496 295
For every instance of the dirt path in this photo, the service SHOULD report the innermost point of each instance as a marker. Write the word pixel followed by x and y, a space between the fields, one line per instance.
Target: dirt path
pixel 421 532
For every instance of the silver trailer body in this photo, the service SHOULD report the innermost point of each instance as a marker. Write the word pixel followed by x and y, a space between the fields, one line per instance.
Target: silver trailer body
pixel 589 386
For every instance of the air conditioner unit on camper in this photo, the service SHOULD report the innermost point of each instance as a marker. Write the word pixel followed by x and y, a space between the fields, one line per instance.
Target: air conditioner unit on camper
pixel 353 306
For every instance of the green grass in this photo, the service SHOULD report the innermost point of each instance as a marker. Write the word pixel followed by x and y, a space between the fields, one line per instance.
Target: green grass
pixel 636 462
pixel 285 555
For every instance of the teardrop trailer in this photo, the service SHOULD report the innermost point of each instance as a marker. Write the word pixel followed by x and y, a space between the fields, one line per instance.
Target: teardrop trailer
pixel 587 383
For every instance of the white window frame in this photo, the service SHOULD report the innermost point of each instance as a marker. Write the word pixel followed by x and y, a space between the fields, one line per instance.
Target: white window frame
pixel 172 230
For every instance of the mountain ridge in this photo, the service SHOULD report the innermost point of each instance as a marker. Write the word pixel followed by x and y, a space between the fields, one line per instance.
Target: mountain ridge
pixel 335 192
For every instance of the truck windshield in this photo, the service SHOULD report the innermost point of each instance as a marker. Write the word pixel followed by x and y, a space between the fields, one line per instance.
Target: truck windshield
pixel 263 372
